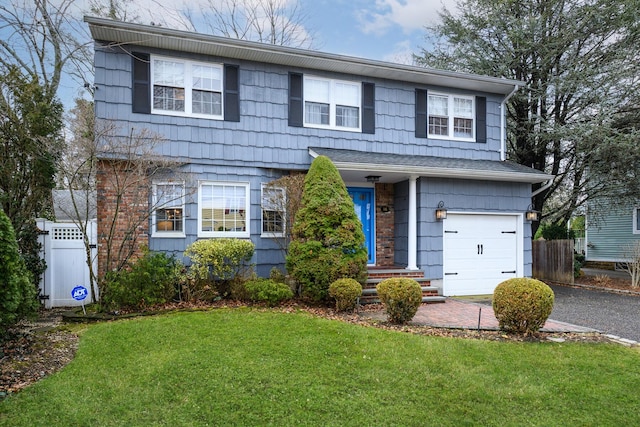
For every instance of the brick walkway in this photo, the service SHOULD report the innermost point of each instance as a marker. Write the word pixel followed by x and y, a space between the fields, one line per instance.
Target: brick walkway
pixel 464 315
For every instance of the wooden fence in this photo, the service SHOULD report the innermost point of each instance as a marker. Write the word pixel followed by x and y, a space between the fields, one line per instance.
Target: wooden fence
pixel 553 260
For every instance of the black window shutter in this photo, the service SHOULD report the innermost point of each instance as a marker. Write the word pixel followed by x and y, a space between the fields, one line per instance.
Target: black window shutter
pixel 231 93
pixel 368 108
pixel 141 85
pixel 421 113
pixel 295 100
pixel 481 119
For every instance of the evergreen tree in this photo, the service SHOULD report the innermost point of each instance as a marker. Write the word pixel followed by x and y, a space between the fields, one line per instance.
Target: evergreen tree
pixel 30 146
pixel 328 242
pixel 17 294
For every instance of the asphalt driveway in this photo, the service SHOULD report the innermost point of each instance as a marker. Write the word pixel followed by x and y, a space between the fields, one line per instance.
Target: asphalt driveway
pixel 609 313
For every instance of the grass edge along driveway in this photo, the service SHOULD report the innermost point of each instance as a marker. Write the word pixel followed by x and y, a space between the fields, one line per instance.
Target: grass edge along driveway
pixel 249 367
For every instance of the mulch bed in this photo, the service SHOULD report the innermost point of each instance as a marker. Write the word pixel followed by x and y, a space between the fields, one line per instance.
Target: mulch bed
pixel 33 350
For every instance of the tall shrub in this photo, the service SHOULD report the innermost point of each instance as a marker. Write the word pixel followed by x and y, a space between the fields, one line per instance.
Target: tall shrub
pixel 17 293
pixel 327 242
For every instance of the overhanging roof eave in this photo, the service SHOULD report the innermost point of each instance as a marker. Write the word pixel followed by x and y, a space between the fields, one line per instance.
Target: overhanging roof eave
pixel 443 172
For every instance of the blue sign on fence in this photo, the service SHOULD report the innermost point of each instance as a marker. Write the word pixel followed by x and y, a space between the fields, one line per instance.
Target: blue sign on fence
pixel 79 293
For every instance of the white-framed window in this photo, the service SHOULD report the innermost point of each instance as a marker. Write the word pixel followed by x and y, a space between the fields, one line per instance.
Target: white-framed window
pixel 451 116
pixel 223 209
pixel 273 202
pixel 334 104
pixel 167 218
pixel 186 88
pixel 636 221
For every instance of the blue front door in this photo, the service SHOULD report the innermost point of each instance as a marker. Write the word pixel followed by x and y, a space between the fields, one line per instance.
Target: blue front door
pixel 363 201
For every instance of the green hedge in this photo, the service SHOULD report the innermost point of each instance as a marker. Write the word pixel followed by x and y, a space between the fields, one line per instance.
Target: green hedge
pixel 150 280
pixel 268 291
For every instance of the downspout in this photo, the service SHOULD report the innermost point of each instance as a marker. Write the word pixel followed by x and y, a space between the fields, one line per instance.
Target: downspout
pixel 543 188
pixel 503 124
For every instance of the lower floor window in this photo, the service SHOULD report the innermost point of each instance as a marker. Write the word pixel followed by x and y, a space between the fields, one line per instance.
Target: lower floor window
pixel 168 216
pixel 223 209
pixel 273 210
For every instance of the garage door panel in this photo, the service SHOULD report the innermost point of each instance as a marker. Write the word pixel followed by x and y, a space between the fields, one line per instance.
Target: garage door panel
pixel 480 252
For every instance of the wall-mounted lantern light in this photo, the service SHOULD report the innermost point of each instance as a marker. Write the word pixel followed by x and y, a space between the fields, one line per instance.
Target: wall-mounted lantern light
pixel 532 214
pixel 441 212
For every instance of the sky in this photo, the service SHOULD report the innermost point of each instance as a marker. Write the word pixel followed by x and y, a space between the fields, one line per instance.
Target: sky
pixel 388 30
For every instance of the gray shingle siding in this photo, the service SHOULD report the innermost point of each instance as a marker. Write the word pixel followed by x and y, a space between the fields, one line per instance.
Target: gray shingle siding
pixel 262 145
pixel 263 123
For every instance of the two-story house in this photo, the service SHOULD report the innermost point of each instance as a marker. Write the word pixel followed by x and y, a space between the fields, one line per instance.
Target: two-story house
pixel 421 151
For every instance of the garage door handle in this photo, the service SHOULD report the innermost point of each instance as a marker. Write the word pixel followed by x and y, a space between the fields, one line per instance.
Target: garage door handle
pixel 508 232
pixel 506 272
pixel 480 249
pixel 450 274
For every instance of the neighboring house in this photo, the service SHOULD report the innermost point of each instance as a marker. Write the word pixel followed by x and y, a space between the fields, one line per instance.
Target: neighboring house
pixel 610 236
pixel 405 139
pixel 65 206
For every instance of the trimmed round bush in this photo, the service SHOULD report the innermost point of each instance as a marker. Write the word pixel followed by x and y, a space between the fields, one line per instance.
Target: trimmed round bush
pixel 522 305
pixel 266 290
pixel 346 293
pixel 401 298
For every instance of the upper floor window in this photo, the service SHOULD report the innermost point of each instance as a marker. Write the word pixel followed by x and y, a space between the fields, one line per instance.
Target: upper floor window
pixel 223 209
pixel 167 218
pixel 186 87
pixel 273 211
pixel 331 103
pixel 450 116
pixel 636 221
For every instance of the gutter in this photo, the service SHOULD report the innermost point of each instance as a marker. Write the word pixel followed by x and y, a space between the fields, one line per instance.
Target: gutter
pixel 503 124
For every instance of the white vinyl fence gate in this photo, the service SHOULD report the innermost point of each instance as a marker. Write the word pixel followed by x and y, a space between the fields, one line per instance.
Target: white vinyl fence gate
pixel 64 252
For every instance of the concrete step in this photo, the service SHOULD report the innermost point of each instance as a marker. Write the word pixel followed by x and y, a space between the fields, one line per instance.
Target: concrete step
pixel 427 289
pixel 373 282
pixel 373 299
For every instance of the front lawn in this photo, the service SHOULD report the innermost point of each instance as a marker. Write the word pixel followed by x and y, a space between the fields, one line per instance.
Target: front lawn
pixel 245 367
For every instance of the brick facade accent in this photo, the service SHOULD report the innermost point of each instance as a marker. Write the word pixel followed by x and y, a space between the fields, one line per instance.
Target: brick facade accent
pixel 384 225
pixel 123 193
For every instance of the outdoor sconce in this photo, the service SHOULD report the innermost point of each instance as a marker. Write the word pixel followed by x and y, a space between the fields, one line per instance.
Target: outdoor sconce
pixel 385 208
pixel 441 212
pixel 532 214
pixel 372 178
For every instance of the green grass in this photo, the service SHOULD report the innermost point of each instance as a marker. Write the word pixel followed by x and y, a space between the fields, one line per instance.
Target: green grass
pixel 245 368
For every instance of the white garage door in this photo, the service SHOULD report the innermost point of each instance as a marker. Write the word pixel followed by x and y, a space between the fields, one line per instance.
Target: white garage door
pixel 480 251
